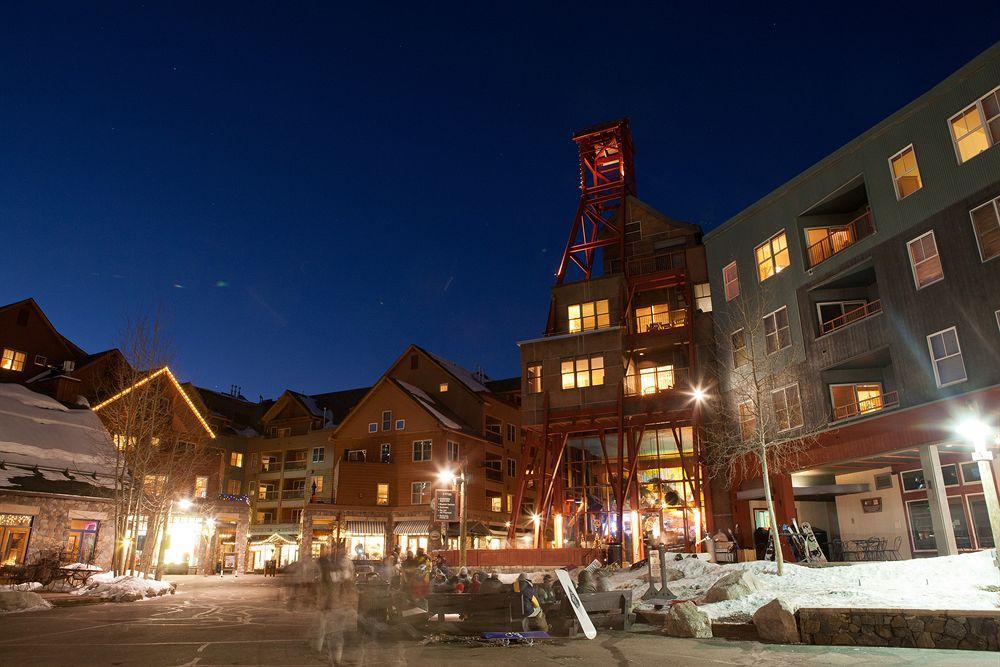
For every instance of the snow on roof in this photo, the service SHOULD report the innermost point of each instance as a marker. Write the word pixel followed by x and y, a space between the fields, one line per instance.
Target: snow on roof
pixel 38 430
pixel 428 403
pixel 309 402
pixel 467 378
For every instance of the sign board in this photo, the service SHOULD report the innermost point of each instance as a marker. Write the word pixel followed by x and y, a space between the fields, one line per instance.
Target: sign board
pixel 230 562
pixel 871 505
pixel 445 505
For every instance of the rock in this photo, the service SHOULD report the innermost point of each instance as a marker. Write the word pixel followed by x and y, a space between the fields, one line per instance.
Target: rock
pixel 686 620
pixel 925 640
pixel 733 585
pixel 17 601
pixel 775 622
pixel 674 574
pixel 953 628
pixel 843 639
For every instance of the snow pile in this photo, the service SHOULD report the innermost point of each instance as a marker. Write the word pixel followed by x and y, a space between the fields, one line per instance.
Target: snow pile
pixel 124 588
pixel 28 586
pixel 81 566
pixel 949 582
pixel 16 602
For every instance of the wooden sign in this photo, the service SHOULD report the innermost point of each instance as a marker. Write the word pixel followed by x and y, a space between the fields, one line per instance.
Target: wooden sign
pixel 871 505
pixel 445 505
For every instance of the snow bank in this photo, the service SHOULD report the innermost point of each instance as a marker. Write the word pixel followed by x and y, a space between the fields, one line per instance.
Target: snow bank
pixel 949 582
pixel 82 566
pixel 124 588
pixel 16 602
pixel 29 586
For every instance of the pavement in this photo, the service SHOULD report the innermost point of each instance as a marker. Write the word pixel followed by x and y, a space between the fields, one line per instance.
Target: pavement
pixel 244 621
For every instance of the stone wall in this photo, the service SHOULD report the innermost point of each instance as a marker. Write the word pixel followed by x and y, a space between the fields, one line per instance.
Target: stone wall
pixel 976 630
pixel 51 516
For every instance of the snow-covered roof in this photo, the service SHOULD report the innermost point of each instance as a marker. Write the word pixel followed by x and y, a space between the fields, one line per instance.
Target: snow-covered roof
pixel 429 404
pixel 309 402
pixel 466 377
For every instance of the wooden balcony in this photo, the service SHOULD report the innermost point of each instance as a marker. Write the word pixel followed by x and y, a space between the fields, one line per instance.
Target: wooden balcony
pixel 851 316
pixel 840 238
pixel 866 407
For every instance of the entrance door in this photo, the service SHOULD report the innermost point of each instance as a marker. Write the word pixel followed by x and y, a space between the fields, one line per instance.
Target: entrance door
pixel 13 544
pixel 82 540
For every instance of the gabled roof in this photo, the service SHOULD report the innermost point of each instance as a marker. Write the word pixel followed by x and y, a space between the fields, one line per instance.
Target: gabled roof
pixel 71 347
pixel 443 415
pixel 504 385
pixel 240 413
pixel 339 404
pixel 152 375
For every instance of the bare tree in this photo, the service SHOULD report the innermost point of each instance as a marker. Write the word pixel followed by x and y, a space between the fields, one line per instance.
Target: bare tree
pixel 758 426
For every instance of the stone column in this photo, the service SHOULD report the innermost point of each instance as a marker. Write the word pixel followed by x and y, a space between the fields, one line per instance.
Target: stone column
pixel 242 540
pixel 305 546
pixel 390 524
pixel 937 498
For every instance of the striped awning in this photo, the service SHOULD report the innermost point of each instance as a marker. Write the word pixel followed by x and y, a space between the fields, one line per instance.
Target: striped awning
pixel 411 528
pixel 366 527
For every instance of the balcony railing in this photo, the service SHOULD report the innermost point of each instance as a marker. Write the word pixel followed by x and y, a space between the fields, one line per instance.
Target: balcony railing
pixel 666 261
pixel 494 475
pixel 268 495
pixel 295 465
pixel 270 466
pixel 293 494
pixel 840 238
pixel 494 437
pixel 655 381
pixel 889 399
pixel 659 322
pixel 851 316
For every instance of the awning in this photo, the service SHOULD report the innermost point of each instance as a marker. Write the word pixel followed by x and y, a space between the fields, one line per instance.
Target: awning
pixel 411 528
pixel 366 527
pixel 277 538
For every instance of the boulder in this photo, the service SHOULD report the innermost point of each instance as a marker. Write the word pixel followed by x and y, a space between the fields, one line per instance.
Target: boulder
pixel 775 622
pixel 12 602
pixel 733 585
pixel 674 574
pixel 686 620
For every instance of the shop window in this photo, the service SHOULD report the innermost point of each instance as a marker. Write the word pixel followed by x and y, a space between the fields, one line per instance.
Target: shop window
pixel 236 459
pixel 925 260
pixel 589 315
pixel 420 493
pixel 582 372
pixel 731 278
pixel 922 530
pixel 82 540
pixel 777 334
pixel 318 454
pixel 201 487
pixel 787 407
pixel 422 450
pixel 12 360
pixel 15 530
pixel 905 172
pixel 382 494
pixel 946 357
pixel 986 225
pixel 977 127
pixel 534 375
pixel 772 256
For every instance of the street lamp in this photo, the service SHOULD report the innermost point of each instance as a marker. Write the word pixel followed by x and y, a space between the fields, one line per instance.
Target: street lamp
pixel 978 433
pixel 449 477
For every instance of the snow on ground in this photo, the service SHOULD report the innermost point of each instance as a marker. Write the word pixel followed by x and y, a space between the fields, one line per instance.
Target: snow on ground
pixel 28 586
pixel 124 588
pixel 949 582
pixel 81 566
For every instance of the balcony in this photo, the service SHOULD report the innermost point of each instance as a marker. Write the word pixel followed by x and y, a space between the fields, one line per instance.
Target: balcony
pixel 667 261
pixel 825 242
pixel 866 406
pixel 299 464
pixel 293 494
pixel 657 380
pixel 268 496
pixel 493 474
pixel 851 316
pixel 493 437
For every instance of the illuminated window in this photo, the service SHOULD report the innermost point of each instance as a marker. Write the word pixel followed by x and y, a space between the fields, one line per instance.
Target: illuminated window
pixel 385 452
pixel 589 315
pixel 496 503
pixel 977 127
pixel 787 407
pixel 946 357
pixel 777 334
pixel 731 278
pixel 738 340
pixel 318 454
pixel 703 297
pixel 12 360
pixel 851 400
pixel 316 484
pixel 201 487
pixel 422 450
pixel 772 256
pixel 582 372
pixel 386 420
pixel 905 172
pixel 534 375
pixel 985 223
pixel 656 379
pixel 924 260
pixel 443 387
pixel 657 318
pixel 748 421
pixel 236 459
pixel 233 487
pixel 452 451
pixel 420 493
pixel 382 494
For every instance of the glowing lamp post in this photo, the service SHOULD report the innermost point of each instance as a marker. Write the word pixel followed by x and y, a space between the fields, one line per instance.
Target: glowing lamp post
pixel 978 434
pixel 449 477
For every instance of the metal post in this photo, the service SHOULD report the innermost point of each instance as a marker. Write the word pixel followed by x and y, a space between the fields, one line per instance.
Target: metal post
pixel 462 519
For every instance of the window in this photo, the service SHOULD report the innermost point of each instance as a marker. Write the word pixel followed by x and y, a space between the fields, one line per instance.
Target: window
pixel 236 459
pixel 655 379
pixel 922 531
pixel 985 224
pixel 977 127
pixel 912 480
pixel 981 521
pixel 201 487
pixel 835 314
pixel 924 260
pixel 452 451
pixel 970 473
pixel 294 516
pixel 748 421
pixel 949 474
pixel 41 360
pixel 772 256
pixel 905 172
pixel 316 484
pixel 357 455
pixel 373 427
pixel 318 454
pixel 12 360
pixel 400 424
pixel 703 297
pixel 420 493
pixel 422 450
pixel 510 502
pixel 386 420
pixel 385 452
pixel 414 362
pixel 657 318
pixel 777 335
pixel 946 357
pixel 851 400
pixel 588 315
pixel 496 503
pixel 511 468
pixel 233 487
pixel 534 376
pixel 82 539
pixel 511 433
pixel 738 341
pixel 582 372
pixel 382 494
pixel 284 432
pixel 731 278
pixel 443 387
pixel 787 407
pixel 265 517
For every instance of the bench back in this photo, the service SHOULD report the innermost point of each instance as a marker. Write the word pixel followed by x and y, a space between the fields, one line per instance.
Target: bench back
pixel 478 602
pixel 607 601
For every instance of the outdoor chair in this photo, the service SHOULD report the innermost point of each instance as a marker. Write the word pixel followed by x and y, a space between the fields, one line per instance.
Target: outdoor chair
pixel 893 553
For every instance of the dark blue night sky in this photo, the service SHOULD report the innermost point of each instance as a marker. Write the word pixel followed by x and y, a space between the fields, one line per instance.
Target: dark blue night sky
pixel 304 189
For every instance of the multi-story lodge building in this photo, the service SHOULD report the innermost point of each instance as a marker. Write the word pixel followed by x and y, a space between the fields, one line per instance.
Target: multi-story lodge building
pixel 879 273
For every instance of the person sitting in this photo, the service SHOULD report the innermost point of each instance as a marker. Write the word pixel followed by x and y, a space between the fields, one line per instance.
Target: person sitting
pixel 492 584
pixel 534 615
pixel 476 583
pixel 546 595
pixel 585 582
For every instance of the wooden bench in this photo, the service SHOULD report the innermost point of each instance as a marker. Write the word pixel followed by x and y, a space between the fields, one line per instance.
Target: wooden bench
pixel 490 610
pixel 608 609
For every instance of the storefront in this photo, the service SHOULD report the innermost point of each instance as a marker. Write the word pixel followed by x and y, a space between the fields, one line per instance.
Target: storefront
pixel 281 548
pixel 15 529
pixel 411 535
pixel 366 539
